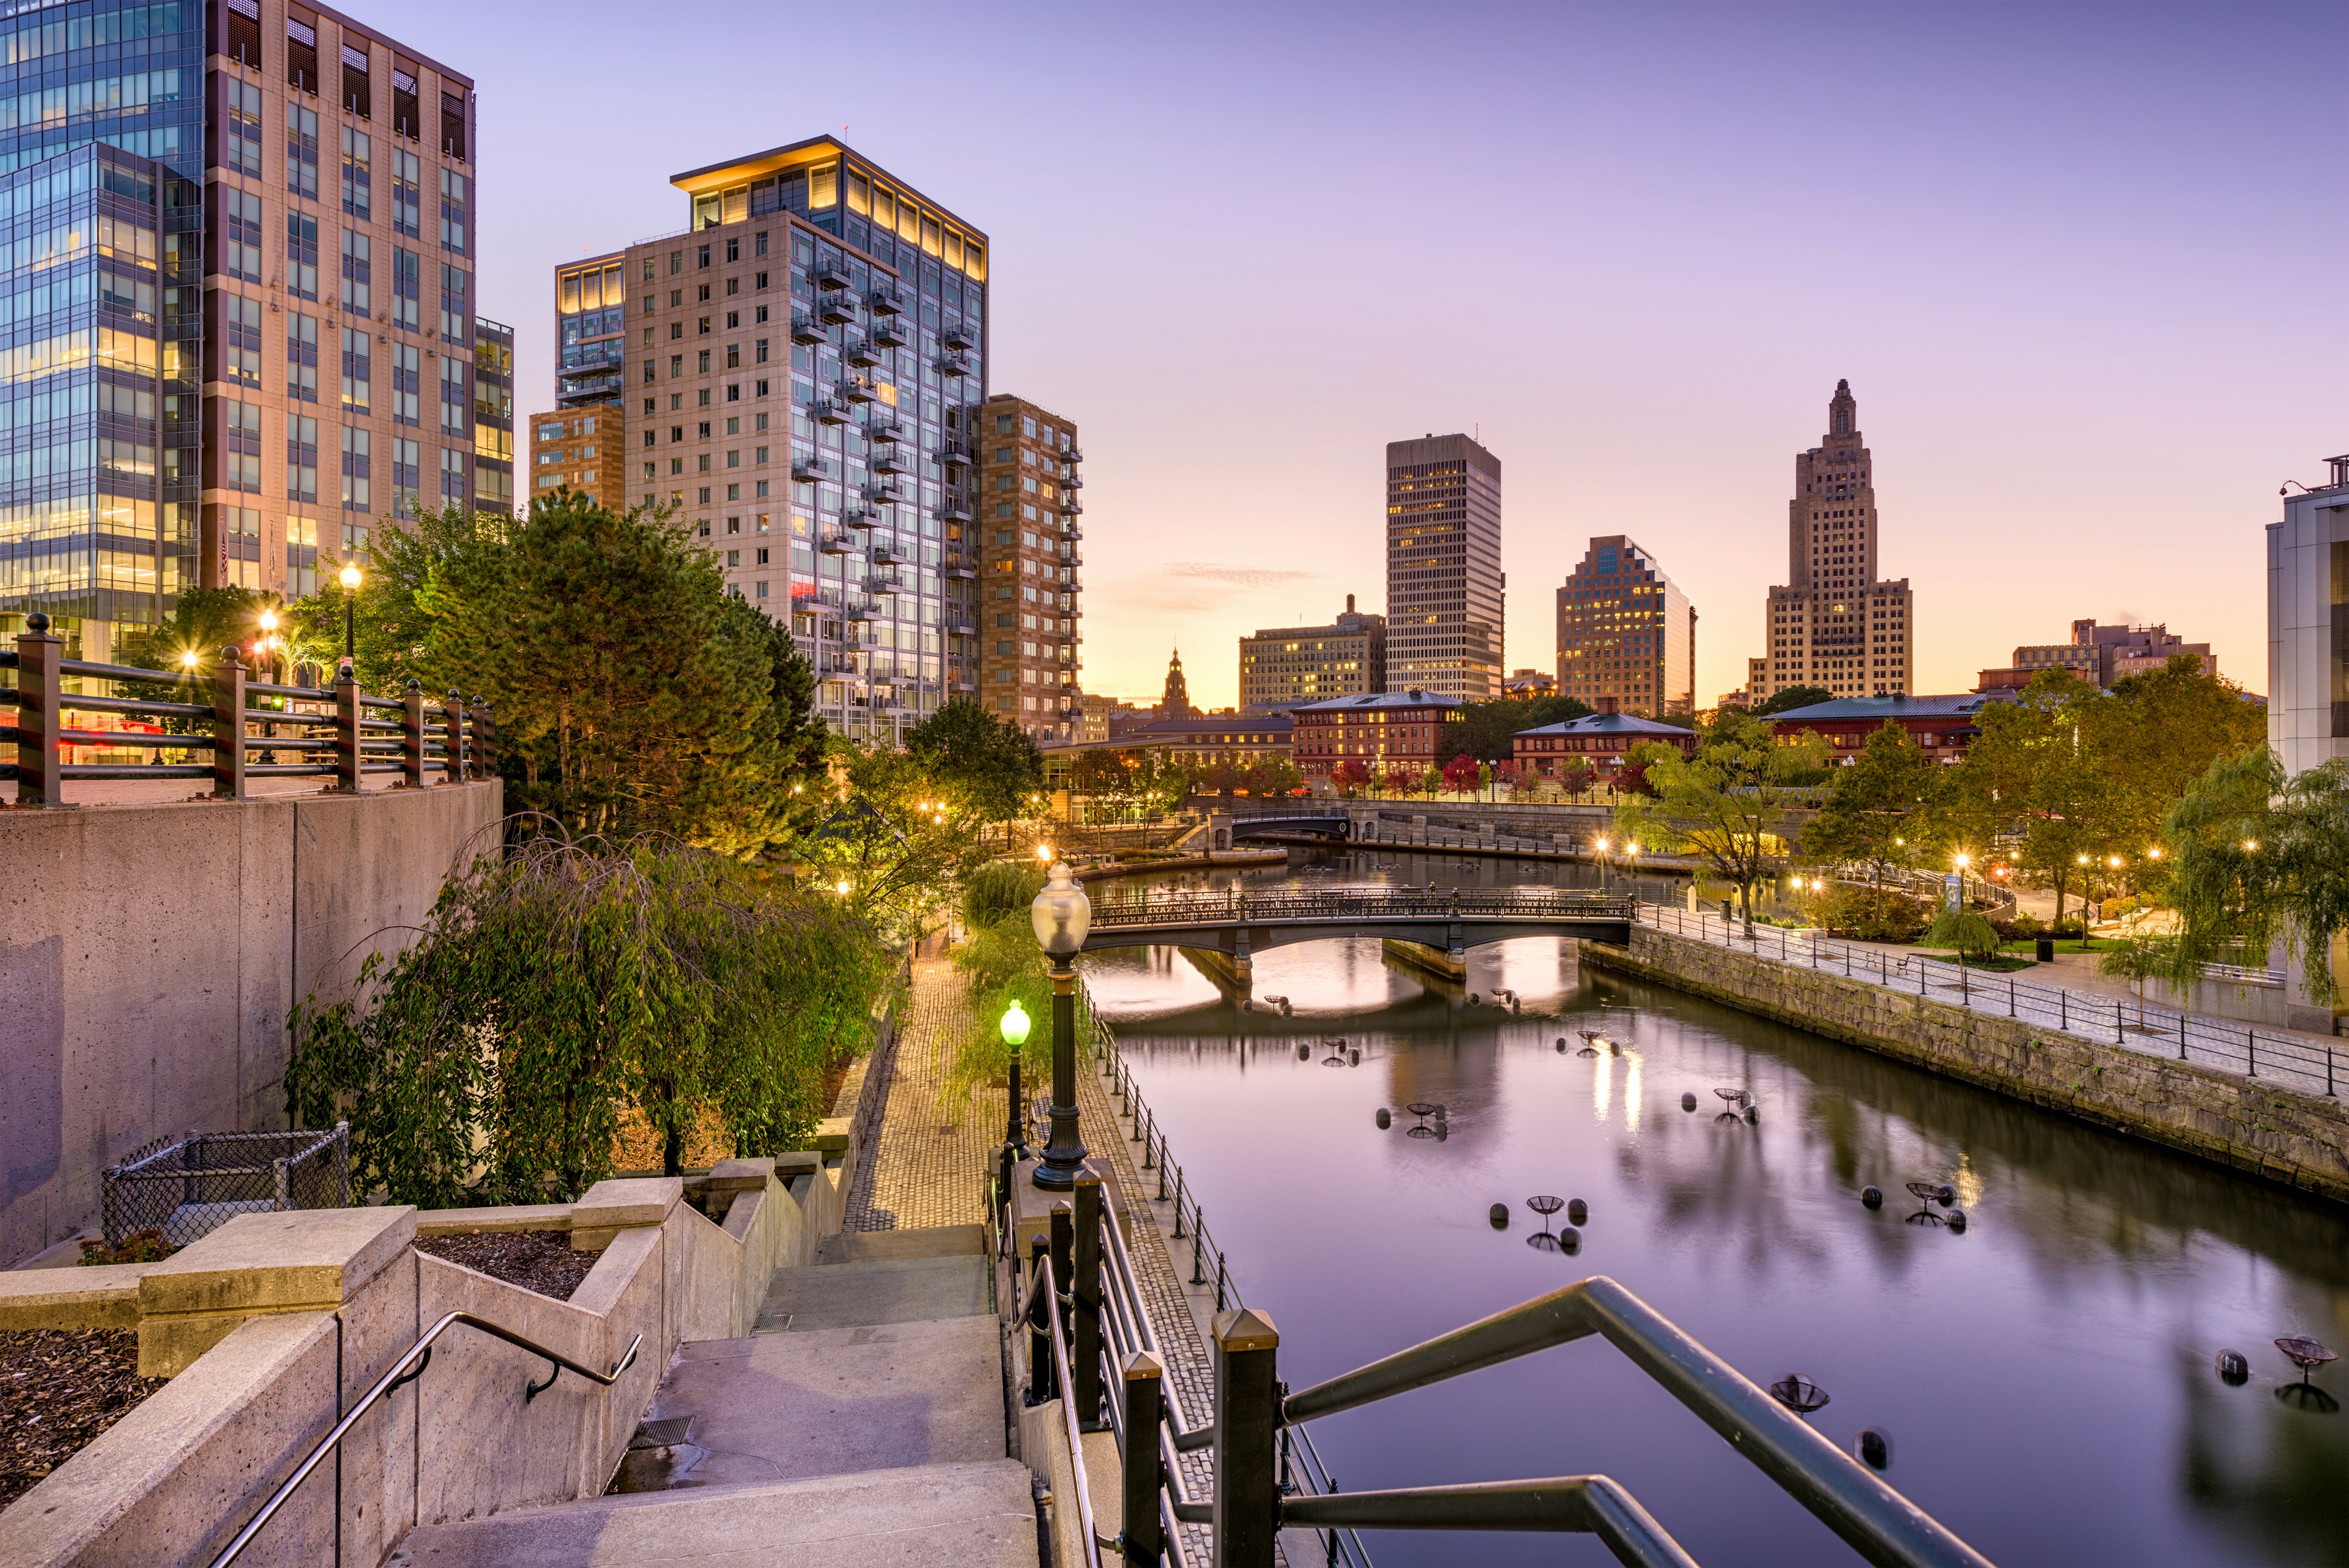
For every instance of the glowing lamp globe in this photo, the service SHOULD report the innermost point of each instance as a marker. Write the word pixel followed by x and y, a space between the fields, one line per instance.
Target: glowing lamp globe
pixel 1062 913
pixel 1015 1025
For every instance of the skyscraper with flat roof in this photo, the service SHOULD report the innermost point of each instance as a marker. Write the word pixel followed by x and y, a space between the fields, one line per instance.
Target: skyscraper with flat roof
pixel 1834 623
pixel 1626 631
pixel 239 351
pixel 1289 665
pixel 804 366
pixel 1444 567
pixel 1024 557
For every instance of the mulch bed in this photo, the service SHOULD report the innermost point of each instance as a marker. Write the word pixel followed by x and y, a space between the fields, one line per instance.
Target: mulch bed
pixel 59 1388
pixel 540 1261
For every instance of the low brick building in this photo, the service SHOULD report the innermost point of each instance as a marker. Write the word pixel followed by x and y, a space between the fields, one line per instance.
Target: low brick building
pixel 1943 727
pixel 579 449
pixel 1413 731
pixel 1597 741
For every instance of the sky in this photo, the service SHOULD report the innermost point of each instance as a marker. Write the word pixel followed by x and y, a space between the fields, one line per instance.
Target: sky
pixel 2082 265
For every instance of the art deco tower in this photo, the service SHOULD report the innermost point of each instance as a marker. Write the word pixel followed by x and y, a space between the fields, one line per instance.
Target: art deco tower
pixel 1834 623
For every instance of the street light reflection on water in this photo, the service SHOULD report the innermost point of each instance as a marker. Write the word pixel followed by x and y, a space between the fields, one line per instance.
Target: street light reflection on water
pixel 2046 1374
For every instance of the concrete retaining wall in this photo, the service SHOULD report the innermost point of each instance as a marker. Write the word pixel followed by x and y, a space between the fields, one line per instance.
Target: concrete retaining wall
pixel 2299 1140
pixel 149 955
pixel 273 1326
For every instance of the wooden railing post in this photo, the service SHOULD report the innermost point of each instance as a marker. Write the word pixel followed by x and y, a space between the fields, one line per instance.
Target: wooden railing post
pixel 1085 1303
pixel 411 735
pixel 347 753
pixel 452 726
pixel 228 725
pixel 1247 1406
pixel 487 738
pixel 1143 1538
pixel 40 715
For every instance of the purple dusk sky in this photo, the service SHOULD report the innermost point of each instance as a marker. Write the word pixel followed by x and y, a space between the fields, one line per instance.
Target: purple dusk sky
pixel 2083 266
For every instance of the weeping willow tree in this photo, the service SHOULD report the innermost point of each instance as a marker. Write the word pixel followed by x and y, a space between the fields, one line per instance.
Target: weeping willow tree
pixel 490 1061
pixel 2255 855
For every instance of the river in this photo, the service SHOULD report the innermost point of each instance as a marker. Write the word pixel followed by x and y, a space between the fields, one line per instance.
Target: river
pixel 2045 1376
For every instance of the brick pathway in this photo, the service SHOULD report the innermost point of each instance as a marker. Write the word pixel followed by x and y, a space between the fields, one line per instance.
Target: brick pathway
pixel 918 1173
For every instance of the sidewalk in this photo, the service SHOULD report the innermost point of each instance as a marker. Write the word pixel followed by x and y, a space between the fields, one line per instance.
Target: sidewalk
pixel 922 1169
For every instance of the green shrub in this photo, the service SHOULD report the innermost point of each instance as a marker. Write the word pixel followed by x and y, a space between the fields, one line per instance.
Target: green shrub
pixel 1973 937
pixel 1871 915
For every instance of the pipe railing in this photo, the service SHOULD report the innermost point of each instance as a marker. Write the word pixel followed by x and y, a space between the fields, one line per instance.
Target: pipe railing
pixel 1245 907
pixel 2147 1028
pixel 344 733
pixel 407 1370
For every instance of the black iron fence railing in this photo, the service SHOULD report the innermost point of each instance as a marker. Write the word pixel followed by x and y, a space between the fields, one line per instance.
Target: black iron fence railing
pixel 223 726
pixel 2149 1028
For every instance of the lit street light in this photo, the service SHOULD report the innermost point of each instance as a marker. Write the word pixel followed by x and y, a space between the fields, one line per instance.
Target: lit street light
pixel 1061 916
pixel 1015 1028
pixel 350 599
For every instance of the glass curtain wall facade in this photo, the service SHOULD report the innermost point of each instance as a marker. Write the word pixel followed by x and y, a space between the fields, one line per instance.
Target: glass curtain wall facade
pixel 806 366
pixel 493 417
pixel 590 325
pixel 101 162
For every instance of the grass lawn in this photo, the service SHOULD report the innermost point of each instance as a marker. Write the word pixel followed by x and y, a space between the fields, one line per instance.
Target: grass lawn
pixel 2063 945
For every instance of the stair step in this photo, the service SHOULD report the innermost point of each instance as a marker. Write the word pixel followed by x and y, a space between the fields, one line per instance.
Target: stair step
pixel 852 1295
pixel 973 1515
pixel 894 1246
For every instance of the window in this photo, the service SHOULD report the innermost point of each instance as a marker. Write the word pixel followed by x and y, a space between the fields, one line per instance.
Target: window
pixel 407 196
pixel 675 366
pixel 454 462
pixel 301 460
pixel 357 368
pixel 407 288
pixel 455 320
pixel 357 273
pixel 241 339
pixel 240 108
pixel 355 463
pixel 406 476
pixel 302 356
pixel 241 236
pixel 302 151
pixel 357 152
pixel 455 199
pixel 406 384
pixel 456 404
pixel 240 445
pixel 404 115
pixel 358 96
pixel 301 56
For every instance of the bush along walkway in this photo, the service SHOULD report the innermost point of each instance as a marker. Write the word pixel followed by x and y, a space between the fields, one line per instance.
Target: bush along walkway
pixel 920 1171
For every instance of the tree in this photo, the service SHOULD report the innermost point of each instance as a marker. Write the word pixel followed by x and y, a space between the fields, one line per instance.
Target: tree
pixel 1575 776
pixel 1730 802
pixel 1402 781
pixel 1485 729
pixel 883 844
pixel 1460 775
pixel 2137 958
pixel 1350 775
pixel 203 622
pixel 2255 855
pixel 632 692
pixel 489 1062
pixel 987 765
pixel 1789 697
pixel 1878 810
pixel 2042 766
pixel 1968 931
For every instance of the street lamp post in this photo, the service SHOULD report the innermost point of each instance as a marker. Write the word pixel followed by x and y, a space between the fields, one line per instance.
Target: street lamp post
pixel 350 600
pixel 1015 1034
pixel 1061 916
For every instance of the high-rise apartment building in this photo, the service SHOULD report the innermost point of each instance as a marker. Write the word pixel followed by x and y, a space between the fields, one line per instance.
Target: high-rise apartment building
pixel 1444 567
pixel 1286 667
pixel 1626 632
pixel 1026 560
pixel 493 417
pixel 803 369
pixel 581 448
pixel 1834 623
pixel 591 326
pixel 241 349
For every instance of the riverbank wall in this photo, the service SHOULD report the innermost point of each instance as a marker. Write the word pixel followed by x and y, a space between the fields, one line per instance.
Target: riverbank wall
pixel 2295 1139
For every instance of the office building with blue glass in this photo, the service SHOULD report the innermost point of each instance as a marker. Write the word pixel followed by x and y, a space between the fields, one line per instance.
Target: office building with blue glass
pixel 239 303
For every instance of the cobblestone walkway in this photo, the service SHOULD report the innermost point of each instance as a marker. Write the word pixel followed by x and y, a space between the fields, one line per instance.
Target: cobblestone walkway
pixel 918 1172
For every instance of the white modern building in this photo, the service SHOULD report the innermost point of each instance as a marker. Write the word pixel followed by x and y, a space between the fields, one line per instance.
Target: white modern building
pixel 2307 625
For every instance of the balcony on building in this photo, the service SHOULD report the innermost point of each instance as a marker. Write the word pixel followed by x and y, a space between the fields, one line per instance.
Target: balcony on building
pixel 954 512
pixel 1072 483
pixel 836 545
pixel 960 628
pixel 886 461
pixel 884 585
pixel 958 338
pixel 831 273
pixel 1071 506
pixel 954 365
pixel 958 564
pixel 1072 454
pixel 831 411
pixel 883 432
pixel 856 389
pixel 863 610
pixel 809 470
pixel 886 301
pixel 890 332
pixel 806 328
pixel 837 307
pixel 884 494
pixel 954 453
pixel 860 351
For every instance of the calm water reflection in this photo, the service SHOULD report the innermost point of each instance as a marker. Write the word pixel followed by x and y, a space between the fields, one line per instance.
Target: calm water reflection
pixel 2045 1376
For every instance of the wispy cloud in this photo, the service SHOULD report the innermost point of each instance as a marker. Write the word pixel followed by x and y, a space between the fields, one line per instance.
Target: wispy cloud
pixel 1240 577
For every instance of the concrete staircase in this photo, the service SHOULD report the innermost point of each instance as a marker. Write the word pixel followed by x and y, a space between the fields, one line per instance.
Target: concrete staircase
pixel 861 1425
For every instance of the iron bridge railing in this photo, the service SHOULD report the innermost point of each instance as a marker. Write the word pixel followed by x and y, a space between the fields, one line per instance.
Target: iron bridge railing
pixel 1154 907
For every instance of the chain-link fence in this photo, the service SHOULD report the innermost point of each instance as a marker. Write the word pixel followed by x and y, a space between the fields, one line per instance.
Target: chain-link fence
pixel 190 1186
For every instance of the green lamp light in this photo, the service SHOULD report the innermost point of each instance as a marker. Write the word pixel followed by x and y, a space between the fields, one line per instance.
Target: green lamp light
pixel 1015 1132
pixel 1015 1024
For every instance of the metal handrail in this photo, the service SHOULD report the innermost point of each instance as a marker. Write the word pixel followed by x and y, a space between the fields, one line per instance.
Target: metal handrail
pixel 1877 1522
pixel 1042 1278
pixel 420 1355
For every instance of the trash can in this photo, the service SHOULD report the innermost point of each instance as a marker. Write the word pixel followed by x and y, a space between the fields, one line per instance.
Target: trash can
pixel 2046 950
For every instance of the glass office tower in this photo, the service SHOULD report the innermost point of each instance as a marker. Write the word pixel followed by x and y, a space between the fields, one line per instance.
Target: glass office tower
pixel 307 302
